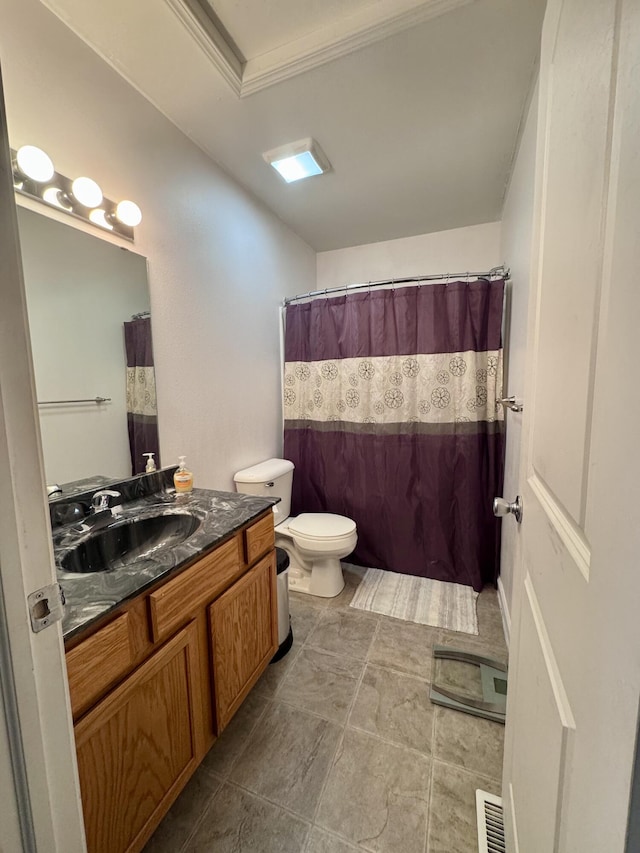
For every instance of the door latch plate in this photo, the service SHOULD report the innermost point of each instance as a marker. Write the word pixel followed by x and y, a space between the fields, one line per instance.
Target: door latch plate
pixel 46 606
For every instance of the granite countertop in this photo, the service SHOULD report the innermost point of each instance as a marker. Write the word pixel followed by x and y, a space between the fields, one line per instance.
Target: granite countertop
pixel 92 595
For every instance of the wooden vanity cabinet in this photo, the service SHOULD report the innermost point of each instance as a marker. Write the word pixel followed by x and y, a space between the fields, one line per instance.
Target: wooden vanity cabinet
pixel 244 636
pixel 152 688
pixel 137 748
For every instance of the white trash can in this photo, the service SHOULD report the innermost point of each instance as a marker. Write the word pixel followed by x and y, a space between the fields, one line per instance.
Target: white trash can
pixel 285 632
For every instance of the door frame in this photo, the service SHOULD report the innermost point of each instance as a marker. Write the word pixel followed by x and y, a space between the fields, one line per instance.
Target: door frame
pixel 40 746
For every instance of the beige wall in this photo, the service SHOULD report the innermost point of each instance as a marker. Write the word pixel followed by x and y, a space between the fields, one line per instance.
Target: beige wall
pixel 517 226
pixel 476 247
pixel 219 262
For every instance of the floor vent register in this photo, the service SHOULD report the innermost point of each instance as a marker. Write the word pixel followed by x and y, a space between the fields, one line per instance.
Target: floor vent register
pixel 490 823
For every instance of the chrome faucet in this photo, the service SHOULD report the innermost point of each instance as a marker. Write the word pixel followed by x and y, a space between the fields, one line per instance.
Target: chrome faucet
pixel 100 502
pixel 102 513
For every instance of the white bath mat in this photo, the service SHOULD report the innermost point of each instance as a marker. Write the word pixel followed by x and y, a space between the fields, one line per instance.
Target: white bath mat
pixel 422 600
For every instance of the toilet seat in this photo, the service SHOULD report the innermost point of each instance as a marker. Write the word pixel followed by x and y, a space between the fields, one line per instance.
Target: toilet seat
pixel 320 526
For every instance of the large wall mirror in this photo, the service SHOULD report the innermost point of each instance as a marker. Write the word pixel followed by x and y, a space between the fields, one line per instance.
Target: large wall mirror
pixel 80 291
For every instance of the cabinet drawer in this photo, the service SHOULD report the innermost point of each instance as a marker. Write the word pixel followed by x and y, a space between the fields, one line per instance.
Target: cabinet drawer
pixel 259 538
pixel 98 662
pixel 175 603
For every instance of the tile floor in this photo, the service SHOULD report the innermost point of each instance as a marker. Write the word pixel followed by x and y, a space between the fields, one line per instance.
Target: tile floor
pixel 339 749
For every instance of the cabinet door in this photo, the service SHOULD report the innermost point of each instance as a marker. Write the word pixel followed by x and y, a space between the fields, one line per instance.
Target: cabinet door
pixel 244 634
pixel 137 748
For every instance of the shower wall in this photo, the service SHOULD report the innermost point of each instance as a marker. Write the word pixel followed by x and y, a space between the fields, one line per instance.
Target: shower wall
pixel 476 247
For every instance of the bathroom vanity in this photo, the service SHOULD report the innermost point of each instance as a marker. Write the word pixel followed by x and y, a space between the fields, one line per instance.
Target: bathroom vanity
pixel 161 653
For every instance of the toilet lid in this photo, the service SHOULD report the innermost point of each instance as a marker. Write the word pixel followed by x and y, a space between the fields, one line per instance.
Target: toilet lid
pixel 321 525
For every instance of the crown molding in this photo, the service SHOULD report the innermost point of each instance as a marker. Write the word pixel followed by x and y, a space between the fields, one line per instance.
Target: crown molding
pixel 324 45
pixel 333 42
pixel 211 41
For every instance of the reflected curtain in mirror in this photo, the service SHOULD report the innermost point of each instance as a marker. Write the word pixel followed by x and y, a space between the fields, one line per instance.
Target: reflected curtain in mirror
pixel 142 412
pixel 391 420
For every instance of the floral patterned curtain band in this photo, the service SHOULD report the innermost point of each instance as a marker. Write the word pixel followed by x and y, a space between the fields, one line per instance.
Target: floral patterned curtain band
pixel 141 391
pixel 436 388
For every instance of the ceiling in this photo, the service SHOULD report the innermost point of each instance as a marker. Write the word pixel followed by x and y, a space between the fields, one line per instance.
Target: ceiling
pixel 416 103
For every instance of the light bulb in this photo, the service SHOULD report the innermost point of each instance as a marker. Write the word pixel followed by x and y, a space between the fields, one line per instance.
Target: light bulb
pixel 87 192
pixel 99 217
pixel 128 213
pixel 54 195
pixel 33 163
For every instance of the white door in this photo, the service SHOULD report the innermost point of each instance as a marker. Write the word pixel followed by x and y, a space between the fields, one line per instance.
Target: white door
pixel 575 652
pixel 40 804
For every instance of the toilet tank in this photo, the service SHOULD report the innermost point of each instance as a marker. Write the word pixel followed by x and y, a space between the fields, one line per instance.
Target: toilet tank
pixel 270 479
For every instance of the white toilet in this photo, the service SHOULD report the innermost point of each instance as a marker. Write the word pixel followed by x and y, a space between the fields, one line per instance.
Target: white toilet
pixel 314 541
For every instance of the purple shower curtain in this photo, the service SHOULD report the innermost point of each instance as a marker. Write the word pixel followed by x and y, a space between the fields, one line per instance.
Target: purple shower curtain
pixel 142 412
pixel 390 419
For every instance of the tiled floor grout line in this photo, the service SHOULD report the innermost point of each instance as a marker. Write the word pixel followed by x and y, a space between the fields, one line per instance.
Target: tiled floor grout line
pixel 433 749
pixel 403 672
pixel 333 834
pixel 221 779
pixel 308 711
pixel 425 846
pixel 344 727
pixel 240 752
pixel 389 742
pixel 484 776
pixel 273 695
pixel 340 739
pixel 326 780
pixel 233 784
pixel 203 814
pixel 334 654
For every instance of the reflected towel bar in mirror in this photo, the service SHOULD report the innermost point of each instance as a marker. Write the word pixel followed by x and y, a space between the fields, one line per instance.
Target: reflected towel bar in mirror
pixel 96 400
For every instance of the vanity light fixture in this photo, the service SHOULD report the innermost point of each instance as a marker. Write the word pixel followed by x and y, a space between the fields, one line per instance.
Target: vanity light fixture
pixel 34 164
pixel 34 176
pixel 87 192
pixel 55 197
pixel 128 213
pixel 298 160
pixel 99 217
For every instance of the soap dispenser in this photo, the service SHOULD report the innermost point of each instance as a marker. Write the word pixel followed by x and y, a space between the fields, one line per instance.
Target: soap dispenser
pixel 151 465
pixel 183 478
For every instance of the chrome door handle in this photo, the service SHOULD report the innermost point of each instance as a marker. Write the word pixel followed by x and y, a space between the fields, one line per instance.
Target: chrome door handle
pixel 502 508
pixel 510 403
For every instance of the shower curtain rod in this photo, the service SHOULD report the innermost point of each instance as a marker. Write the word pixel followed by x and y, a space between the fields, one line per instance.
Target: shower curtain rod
pixel 495 272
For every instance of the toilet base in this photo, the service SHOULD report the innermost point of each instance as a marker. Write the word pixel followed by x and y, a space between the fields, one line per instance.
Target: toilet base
pixel 324 580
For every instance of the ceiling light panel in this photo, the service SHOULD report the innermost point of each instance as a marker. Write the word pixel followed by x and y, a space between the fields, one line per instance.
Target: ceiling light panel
pixel 297 160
